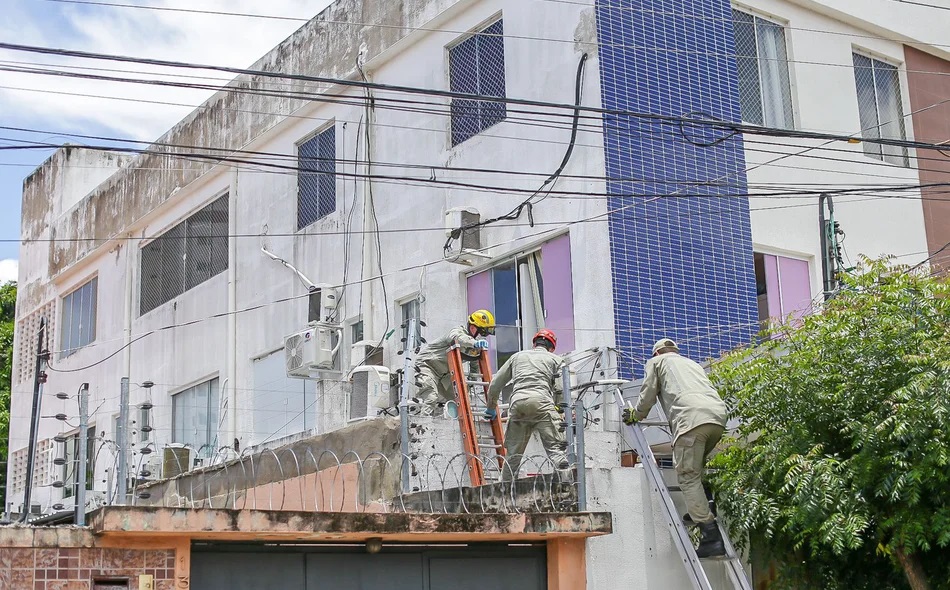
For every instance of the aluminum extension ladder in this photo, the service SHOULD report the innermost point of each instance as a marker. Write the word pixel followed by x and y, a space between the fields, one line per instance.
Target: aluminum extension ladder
pixel 480 436
pixel 694 567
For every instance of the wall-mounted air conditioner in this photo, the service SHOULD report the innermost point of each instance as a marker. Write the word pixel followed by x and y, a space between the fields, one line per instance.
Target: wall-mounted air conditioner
pixel 369 393
pixel 312 350
pixel 465 241
pixel 176 459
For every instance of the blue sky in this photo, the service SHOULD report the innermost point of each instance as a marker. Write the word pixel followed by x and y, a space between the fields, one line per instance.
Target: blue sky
pixel 53 104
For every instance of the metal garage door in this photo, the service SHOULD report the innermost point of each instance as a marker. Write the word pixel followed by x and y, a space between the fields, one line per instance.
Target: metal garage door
pixel 473 567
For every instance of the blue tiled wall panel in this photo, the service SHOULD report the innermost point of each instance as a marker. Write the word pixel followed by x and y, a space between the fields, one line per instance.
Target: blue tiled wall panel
pixel 682 264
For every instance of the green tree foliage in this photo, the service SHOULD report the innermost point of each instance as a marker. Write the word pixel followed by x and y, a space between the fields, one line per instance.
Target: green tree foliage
pixel 7 314
pixel 840 470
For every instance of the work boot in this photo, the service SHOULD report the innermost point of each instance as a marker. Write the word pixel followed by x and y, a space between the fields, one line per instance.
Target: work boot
pixel 710 543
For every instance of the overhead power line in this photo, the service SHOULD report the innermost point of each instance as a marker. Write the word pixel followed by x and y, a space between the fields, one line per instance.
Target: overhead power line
pixel 349 23
pixel 428 181
pixel 665 119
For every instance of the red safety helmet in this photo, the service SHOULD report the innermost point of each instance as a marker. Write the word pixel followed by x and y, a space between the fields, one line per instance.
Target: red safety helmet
pixel 546 335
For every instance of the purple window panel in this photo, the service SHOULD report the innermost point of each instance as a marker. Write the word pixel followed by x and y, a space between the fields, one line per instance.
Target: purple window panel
pixel 558 291
pixel 772 291
pixel 796 286
pixel 480 296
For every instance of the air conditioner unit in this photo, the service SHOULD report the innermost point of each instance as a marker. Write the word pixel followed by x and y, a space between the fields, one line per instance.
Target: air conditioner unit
pixel 176 459
pixel 322 302
pixel 312 350
pixel 370 392
pixel 466 243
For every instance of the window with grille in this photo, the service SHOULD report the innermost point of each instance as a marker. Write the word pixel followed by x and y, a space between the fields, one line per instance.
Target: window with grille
pixel 185 256
pixel 765 93
pixel 79 318
pixel 879 104
pixel 195 417
pixel 477 66
pixel 316 177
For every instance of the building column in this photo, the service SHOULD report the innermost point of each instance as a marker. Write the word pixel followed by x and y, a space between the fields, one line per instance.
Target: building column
pixel 567 564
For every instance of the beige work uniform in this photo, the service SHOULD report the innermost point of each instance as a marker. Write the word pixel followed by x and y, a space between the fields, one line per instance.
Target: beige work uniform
pixel 535 378
pixel 697 417
pixel 433 379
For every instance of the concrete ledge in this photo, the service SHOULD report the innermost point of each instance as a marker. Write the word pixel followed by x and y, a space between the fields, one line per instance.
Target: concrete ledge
pixel 234 525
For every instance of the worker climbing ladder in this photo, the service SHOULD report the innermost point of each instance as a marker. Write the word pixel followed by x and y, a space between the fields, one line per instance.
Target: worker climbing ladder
pixel 694 567
pixel 481 437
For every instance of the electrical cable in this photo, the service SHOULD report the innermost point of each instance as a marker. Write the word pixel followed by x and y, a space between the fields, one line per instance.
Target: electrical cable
pixel 516 212
pixel 665 119
pixel 319 20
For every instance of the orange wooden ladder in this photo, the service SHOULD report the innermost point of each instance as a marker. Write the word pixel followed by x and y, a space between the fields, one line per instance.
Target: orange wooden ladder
pixel 478 433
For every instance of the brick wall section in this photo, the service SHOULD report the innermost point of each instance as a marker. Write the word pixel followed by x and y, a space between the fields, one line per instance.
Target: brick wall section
pixel 76 568
pixel 928 82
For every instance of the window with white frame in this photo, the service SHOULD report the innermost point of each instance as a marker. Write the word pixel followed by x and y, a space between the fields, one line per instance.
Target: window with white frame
pixel 195 417
pixel 281 404
pixel 527 292
pixel 411 310
pixel 765 93
pixel 783 287
pixel 477 67
pixel 184 256
pixel 880 108
pixel 316 177
pixel 79 318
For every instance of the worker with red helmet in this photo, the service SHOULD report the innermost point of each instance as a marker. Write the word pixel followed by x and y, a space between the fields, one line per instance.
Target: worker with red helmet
pixel 535 378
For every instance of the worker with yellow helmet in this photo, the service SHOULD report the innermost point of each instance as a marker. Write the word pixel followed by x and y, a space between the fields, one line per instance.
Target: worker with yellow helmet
pixel 434 384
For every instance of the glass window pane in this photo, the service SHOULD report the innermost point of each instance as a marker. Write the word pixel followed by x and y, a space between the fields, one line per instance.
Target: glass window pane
pixel 867 103
pixel 750 98
pixel 890 110
pixel 65 343
pixel 773 68
pixel 505 291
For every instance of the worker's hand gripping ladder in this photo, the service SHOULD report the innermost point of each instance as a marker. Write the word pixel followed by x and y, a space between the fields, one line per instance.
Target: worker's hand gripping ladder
pixel 694 568
pixel 478 433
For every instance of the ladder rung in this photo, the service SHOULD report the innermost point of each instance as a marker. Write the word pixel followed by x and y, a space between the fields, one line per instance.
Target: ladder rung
pixel 490 446
pixel 482 383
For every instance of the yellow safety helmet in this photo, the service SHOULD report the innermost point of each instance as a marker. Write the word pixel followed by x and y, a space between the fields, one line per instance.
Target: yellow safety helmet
pixel 483 320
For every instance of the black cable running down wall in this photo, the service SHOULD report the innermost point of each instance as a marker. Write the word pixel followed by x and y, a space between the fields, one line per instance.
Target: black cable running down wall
pixel 527 203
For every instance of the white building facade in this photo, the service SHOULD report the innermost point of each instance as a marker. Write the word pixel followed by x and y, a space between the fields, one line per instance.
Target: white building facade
pixel 152 266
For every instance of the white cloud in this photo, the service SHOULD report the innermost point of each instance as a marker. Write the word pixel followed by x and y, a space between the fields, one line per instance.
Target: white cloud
pixel 175 36
pixel 8 270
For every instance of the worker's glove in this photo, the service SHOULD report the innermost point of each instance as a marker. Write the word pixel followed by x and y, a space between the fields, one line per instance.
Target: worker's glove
pixel 559 408
pixel 491 413
pixel 481 344
pixel 628 416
